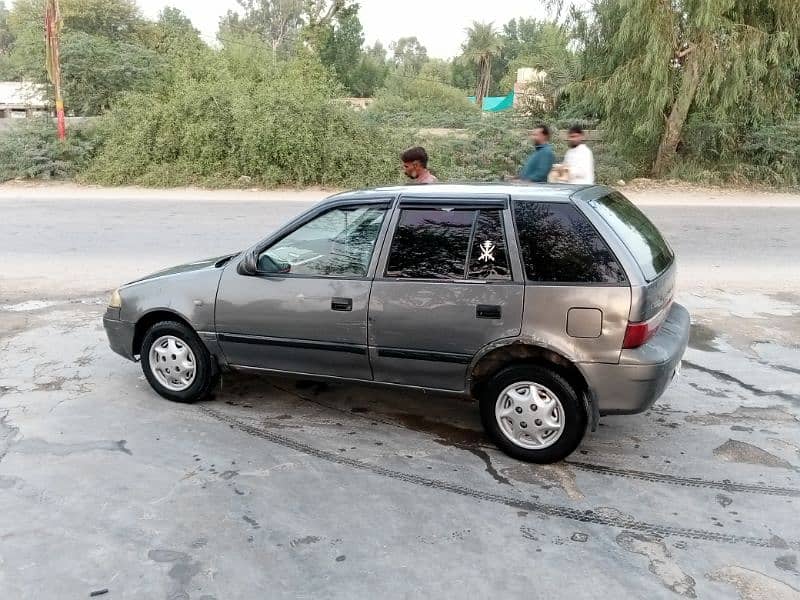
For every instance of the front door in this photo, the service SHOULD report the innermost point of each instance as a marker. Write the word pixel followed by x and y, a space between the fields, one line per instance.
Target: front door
pixel 446 290
pixel 306 310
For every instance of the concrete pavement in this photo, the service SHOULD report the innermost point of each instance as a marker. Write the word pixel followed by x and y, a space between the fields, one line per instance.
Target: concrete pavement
pixel 274 490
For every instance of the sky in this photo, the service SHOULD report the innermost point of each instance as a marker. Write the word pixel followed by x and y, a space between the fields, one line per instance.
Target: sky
pixel 438 24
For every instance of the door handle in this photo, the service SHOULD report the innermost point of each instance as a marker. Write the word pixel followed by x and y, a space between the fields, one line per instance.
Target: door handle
pixel 342 304
pixel 488 311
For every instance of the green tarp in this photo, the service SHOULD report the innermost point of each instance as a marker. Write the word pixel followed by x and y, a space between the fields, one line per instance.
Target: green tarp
pixel 496 103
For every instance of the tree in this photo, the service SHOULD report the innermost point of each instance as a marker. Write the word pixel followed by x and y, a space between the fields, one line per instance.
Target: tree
pixel 370 74
pixel 483 45
pixel 6 37
pixel 318 16
pixel 438 70
pixel 173 33
pixel 408 55
pixel 340 49
pixel 649 65
pixel 544 46
pixel 277 22
pixel 103 50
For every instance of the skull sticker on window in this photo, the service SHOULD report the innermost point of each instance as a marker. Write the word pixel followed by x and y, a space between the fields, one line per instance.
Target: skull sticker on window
pixel 487 251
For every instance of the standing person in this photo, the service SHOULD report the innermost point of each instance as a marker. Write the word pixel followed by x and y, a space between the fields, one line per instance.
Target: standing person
pixel 538 166
pixel 578 160
pixel 415 165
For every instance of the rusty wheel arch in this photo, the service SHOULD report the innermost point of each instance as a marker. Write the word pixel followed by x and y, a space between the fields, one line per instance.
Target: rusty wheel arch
pixel 517 352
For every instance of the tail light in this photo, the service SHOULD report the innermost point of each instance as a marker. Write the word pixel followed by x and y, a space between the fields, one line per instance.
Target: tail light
pixel 638 334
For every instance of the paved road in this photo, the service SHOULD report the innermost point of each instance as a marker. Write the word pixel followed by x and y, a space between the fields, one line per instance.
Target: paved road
pixel 56 247
pixel 271 490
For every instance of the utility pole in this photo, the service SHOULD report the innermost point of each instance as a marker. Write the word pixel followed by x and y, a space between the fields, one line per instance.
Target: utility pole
pixel 52 26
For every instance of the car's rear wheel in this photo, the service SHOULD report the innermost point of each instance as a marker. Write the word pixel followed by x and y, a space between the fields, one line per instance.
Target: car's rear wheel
pixel 533 413
pixel 176 363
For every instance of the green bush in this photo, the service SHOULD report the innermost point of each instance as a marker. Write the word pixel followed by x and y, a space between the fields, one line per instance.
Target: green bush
pixel 730 153
pixel 30 149
pixel 276 124
pixel 417 102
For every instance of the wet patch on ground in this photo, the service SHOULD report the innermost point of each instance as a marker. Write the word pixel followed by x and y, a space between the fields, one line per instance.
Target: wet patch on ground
pixel 730 379
pixel 744 453
pixel 787 563
pixel 703 338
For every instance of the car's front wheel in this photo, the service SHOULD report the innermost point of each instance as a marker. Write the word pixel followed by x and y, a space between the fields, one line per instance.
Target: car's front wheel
pixel 176 363
pixel 533 413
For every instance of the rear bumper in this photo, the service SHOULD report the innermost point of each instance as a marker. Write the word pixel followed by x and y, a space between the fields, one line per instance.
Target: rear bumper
pixel 120 336
pixel 643 374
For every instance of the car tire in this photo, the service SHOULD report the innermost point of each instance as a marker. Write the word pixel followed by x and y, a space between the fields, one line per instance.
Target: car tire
pixel 512 403
pixel 187 373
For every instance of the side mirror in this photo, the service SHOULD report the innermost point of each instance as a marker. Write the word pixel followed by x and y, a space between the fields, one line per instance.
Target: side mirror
pixel 247 266
pixel 269 266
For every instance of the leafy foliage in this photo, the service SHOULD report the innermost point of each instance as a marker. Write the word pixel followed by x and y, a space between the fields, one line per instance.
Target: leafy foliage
pixel 482 47
pixel 243 116
pixel 30 150
pixel 649 65
pixel 420 102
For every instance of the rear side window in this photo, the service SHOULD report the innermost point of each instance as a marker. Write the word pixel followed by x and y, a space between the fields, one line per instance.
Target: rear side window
pixel 449 244
pixel 637 232
pixel 559 245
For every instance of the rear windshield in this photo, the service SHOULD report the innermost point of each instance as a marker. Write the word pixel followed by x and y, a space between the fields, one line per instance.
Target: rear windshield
pixel 637 232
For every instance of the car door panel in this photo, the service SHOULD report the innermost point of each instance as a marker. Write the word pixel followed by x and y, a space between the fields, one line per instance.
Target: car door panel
pixel 289 324
pixel 431 312
pixel 426 333
pixel 309 314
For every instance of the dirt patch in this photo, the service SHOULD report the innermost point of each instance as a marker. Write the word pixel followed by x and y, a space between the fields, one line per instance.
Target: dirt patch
pixel 742 452
pixel 558 475
pixel 661 563
pixel 773 414
pixel 753 585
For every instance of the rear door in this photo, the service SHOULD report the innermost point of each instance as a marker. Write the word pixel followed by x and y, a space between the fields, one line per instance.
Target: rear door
pixel 446 287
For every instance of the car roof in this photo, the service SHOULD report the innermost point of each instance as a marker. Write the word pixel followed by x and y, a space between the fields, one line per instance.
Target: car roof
pixel 552 192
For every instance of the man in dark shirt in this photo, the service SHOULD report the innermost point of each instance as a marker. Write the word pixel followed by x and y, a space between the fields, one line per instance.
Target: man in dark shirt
pixel 538 166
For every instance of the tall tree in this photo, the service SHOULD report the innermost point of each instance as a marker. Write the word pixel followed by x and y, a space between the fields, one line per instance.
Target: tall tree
pixel 408 55
pixel 6 37
pixel 103 50
pixel 483 45
pixel 277 22
pixel 651 63
pixel 340 49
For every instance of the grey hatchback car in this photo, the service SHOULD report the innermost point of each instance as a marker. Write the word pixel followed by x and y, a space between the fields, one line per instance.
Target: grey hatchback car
pixel 550 304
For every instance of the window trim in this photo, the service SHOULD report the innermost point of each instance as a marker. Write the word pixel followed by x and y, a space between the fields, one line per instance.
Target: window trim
pixel 367 203
pixel 538 283
pixel 426 203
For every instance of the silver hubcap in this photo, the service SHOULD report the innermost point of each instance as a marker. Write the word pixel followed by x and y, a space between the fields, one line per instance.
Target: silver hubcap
pixel 172 362
pixel 530 415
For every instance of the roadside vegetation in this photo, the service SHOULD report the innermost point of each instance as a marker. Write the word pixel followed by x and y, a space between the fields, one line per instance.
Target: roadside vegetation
pixel 705 92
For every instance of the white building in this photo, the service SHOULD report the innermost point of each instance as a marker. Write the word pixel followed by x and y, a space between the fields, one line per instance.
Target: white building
pixel 19 99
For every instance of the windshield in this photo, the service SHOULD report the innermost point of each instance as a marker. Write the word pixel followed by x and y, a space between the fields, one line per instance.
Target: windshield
pixel 637 232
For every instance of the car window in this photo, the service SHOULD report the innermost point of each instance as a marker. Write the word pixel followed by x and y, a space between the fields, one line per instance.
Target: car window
pixel 637 232
pixel 431 244
pixel 489 257
pixel 559 244
pixel 338 243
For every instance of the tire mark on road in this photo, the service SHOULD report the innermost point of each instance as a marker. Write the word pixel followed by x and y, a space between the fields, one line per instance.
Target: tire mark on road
pixel 695 482
pixel 552 510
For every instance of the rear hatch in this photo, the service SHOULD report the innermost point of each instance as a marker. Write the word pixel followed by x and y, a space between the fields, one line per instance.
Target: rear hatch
pixel 652 298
